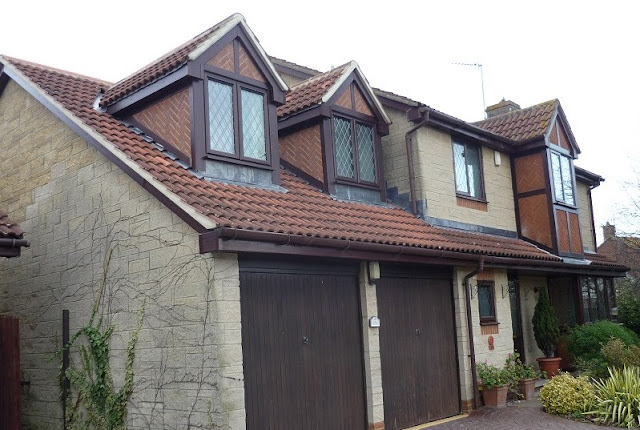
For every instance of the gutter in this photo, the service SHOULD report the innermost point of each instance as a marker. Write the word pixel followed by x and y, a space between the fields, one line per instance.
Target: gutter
pixel 472 349
pixel 14 243
pixel 424 114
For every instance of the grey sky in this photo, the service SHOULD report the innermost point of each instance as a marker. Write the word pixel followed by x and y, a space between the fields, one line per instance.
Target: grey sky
pixel 584 53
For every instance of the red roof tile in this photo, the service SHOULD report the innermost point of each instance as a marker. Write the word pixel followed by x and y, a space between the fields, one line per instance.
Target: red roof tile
pixel 8 228
pixel 604 260
pixel 301 210
pixel 524 124
pixel 158 68
pixel 311 91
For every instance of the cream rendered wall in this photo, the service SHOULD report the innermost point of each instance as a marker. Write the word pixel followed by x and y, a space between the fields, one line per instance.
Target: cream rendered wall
pixel 585 216
pixel 528 300
pixel 503 340
pixel 85 217
pixel 394 152
pixel 436 183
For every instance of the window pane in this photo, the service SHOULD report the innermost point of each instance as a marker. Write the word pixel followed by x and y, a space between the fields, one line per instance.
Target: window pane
pixel 585 299
pixel 486 301
pixel 253 140
pixel 473 167
pixel 567 183
pixel 366 158
pixel 461 168
pixel 557 176
pixel 602 308
pixel 221 136
pixel 593 300
pixel 344 150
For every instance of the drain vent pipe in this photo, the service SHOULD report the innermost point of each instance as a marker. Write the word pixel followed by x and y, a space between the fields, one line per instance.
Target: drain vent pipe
pixel 472 350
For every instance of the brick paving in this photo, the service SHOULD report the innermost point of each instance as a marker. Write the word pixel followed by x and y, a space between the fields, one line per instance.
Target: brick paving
pixel 523 415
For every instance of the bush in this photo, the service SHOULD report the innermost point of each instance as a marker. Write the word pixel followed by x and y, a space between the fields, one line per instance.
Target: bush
pixel 545 324
pixel 618 398
pixel 490 376
pixel 628 301
pixel 586 341
pixel 619 355
pixel 566 395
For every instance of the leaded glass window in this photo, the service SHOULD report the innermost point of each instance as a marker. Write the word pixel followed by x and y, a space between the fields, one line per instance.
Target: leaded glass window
pixel 237 120
pixel 468 169
pixel 598 299
pixel 221 134
pixel 562 178
pixel 354 150
pixel 254 144
pixel 344 148
pixel 486 302
pixel 366 157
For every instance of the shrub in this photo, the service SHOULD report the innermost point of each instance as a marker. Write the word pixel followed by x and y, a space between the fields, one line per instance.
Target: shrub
pixel 517 370
pixel 628 301
pixel 545 324
pixel 618 398
pixel 566 395
pixel 619 355
pixel 586 341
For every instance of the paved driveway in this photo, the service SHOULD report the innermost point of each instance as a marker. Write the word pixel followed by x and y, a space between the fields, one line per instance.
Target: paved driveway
pixel 523 415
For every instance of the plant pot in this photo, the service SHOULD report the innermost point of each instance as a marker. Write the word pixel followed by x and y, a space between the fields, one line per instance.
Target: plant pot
pixel 549 365
pixel 527 388
pixel 495 397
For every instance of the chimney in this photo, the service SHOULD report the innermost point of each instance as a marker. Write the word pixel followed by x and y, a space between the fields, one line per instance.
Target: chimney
pixel 505 106
pixel 609 231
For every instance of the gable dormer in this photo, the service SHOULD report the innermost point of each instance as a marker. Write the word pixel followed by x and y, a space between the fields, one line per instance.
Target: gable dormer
pixel 330 129
pixel 212 102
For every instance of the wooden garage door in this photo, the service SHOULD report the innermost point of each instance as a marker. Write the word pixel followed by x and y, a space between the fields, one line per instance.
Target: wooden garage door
pixel 302 351
pixel 418 350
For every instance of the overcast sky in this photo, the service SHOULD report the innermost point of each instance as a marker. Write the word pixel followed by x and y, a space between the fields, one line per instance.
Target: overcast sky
pixel 584 53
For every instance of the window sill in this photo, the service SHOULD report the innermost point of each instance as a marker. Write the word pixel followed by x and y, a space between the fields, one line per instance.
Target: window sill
pixel 489 323
pixel 346 181
pixel 472 203
pixel 240 161
pixel 566 205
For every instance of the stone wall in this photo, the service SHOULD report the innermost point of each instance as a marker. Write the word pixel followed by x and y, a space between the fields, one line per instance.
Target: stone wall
pixel 435 183
pixel 95 232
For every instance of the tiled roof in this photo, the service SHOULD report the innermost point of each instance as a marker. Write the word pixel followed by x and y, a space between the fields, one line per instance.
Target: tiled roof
pixel 159 67
pixel 303 69
pixel 603 260
pixel 524 124
pixel 310 92
pixel 8 228
pixel 301 210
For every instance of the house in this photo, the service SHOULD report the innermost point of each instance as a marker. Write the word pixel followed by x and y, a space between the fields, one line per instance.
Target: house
pixel 312 252
pixel 622 249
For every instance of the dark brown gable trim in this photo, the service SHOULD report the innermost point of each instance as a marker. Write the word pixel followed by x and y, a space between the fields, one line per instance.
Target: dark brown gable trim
pixel 151 92
pixel 64 117
pixel 293 72
pixel 277 96
pixel 4 79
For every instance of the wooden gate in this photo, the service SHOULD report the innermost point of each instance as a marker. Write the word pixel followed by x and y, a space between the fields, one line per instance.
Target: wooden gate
pixel 9 373
pixel 302 351
pixel 418 350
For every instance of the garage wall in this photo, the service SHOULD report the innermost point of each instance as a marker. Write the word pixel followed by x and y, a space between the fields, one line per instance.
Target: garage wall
pixel 371 350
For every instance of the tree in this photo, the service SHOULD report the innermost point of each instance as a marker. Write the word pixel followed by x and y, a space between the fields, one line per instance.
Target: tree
pixel 545 325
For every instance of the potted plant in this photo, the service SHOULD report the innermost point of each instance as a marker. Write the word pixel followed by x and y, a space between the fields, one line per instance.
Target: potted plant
pixel 546 332
pixel 494 384
pixel 523 376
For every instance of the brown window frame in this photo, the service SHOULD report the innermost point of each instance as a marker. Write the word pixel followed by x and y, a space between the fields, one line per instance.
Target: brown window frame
pixel 586 307
pixel 560 200
pixel 354 148
pixel 237 88
pixel 467 195
pixel 493 319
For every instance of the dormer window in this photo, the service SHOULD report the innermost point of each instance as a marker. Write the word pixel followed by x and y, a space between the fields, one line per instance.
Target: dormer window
pixel 237 120
pixel 353 137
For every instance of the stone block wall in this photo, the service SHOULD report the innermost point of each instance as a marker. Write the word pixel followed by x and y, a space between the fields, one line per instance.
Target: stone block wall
pixel 435 183
pixel 94 232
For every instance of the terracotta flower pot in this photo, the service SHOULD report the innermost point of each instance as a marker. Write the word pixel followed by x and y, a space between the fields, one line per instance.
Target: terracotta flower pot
pixel 495 397
pixel 527 388
pixel 549 365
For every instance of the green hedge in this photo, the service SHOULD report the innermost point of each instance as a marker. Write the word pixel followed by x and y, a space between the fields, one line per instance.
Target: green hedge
pixel 586 341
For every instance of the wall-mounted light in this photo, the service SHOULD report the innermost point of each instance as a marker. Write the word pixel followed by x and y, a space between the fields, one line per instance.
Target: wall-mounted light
pixel 497 158
pixel 374 270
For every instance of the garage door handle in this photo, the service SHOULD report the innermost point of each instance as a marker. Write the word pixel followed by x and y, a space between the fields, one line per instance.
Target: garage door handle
pixel 305 340
pixel 418 331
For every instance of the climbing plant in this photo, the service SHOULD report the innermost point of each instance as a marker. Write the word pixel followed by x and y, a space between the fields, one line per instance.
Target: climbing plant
pixel 94 403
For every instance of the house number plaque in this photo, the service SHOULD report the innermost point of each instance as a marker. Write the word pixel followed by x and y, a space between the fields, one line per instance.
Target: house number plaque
pixel 374 322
